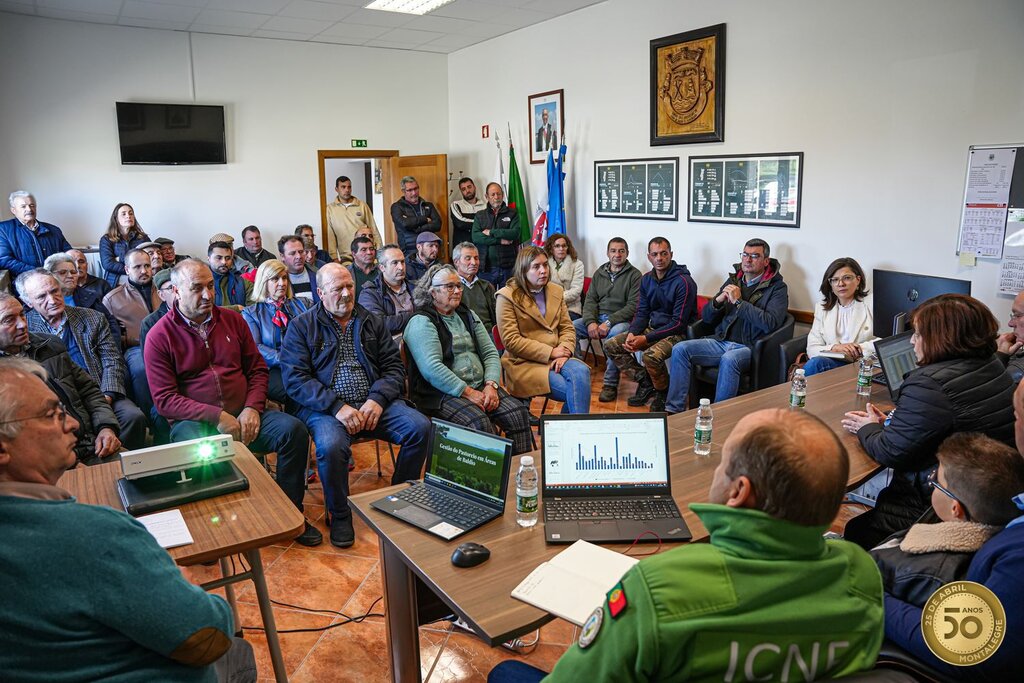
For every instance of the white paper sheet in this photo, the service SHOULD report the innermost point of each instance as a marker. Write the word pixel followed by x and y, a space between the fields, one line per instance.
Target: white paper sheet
pixel 168 528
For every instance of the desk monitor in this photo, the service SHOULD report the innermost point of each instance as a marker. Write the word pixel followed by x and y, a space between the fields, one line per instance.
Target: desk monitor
pixel 896 294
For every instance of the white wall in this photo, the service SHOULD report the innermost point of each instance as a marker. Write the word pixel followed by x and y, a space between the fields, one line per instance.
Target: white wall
pixel 882 97
pixel 284 100
pixel 353 170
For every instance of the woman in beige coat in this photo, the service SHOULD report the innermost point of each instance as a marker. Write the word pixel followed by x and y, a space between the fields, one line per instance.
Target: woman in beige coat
pixel 539 337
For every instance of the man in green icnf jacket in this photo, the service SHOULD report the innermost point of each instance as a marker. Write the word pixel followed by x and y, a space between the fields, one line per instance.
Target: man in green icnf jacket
pixel 768 599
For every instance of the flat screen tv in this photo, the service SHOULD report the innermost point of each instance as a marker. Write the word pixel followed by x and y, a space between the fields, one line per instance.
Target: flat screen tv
pixel 171 134
pixel 896 294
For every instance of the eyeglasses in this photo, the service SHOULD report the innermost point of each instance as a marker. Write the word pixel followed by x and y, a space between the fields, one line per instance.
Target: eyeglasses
pixel 167 288
pixel 59 412
pixel 449 286
pixel 845 280
pixel 933 481
pixel 1014 315
pixel 752 257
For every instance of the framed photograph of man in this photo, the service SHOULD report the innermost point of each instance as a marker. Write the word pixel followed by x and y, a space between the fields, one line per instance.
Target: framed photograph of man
pixel 547 121
pixel 688 87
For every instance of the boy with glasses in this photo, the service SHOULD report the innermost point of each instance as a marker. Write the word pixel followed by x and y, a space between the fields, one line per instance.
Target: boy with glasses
pixel 752 302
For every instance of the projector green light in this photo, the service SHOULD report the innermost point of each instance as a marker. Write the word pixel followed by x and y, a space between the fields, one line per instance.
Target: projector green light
pixel 205 451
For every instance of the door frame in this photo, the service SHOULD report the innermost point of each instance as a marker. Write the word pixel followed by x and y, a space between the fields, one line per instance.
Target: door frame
pixel 324 154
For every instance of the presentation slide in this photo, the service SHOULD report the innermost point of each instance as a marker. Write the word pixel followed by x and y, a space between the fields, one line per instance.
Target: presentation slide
pixel 468 459
pixel 605 452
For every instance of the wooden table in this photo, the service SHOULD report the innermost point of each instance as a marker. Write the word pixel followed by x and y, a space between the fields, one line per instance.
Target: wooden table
pixel 235 523
pixel 412 560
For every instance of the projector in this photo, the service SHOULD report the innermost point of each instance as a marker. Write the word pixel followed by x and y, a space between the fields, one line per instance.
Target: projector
pixel 147 462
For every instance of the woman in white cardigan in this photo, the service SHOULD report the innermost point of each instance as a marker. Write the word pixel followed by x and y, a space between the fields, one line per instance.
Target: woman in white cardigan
pixel 842 321
pixel 567 271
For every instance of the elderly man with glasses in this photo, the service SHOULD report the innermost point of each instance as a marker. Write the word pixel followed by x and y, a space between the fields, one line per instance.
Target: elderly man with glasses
pixel 64 268
pixel 751 303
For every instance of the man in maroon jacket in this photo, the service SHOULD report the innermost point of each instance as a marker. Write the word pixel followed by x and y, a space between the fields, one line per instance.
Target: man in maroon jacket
pixel 208 377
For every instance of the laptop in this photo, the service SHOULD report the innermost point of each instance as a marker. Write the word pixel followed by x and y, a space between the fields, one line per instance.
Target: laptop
pixel 464 485
pixel 896 357
pixel 606 479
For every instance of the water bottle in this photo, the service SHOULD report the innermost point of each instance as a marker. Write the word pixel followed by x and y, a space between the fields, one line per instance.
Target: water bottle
pixel 798 390
pixel 526 493
pixel 702 428
pixel 864 374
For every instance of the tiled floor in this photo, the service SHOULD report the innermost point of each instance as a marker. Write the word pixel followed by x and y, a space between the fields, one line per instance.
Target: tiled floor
pixel 347 583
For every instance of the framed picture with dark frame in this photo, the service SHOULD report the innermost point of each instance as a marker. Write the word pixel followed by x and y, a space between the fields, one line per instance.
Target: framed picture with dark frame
pixel 688 87
pixel 746 189
pixel 547 123
pixel 645 189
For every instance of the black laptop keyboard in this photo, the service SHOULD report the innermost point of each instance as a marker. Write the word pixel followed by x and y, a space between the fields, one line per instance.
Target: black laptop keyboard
pixel 571 510
pixel 454 509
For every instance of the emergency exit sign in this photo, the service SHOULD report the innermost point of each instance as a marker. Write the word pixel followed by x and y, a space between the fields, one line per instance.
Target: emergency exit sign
pixel 359 143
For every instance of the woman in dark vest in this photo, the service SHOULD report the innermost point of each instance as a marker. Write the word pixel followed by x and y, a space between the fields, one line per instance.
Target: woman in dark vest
pixel 454 369
pixel 958 386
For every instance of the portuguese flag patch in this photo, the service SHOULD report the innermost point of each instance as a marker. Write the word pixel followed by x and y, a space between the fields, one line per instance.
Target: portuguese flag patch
pixel 616 601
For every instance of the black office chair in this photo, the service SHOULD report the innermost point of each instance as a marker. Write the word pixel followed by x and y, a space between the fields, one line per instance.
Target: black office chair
pixel 894 658
pixel 789 351
pixel 764 360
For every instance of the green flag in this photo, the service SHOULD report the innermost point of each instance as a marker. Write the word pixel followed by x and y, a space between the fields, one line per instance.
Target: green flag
pixel 516 197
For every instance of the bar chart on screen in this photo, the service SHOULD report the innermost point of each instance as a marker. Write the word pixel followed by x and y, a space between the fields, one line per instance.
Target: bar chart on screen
pixel 600 452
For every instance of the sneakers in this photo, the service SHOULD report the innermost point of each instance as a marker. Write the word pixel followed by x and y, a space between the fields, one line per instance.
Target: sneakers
pixel 644 391
pixel 658 402
pixel 310 536
pixel 608 393
pixel 342 533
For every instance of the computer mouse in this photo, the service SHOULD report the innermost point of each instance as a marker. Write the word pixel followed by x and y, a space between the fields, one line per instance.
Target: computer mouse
pixel 470 555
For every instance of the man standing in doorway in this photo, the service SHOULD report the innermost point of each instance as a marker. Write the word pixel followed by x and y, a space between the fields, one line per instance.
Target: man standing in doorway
pixel 412 215
pixel 345 216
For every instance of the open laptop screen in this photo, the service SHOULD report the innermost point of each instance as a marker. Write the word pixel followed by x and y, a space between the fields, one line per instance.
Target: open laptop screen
pixel 602 452
pixel 468 461
pixel 897 358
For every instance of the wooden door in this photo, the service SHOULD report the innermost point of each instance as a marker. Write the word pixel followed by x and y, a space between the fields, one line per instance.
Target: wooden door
pixel 431 172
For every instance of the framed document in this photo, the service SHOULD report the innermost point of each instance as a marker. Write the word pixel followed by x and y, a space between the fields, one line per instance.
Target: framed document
pixel 688 87
pixel 637 188
pixel 749 189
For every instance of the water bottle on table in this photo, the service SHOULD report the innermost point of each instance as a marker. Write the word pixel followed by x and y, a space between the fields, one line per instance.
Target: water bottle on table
pixel 864 374
pixel 798 390
pixel 526 493
pixel 702 428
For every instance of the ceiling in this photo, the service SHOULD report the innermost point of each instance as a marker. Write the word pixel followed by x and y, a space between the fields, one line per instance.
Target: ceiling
pixel 449 28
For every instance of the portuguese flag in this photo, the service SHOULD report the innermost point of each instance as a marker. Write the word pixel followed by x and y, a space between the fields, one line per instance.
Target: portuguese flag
pixel 516 199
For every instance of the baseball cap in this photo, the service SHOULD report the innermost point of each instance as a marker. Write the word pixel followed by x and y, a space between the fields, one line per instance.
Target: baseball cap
pixel 425 237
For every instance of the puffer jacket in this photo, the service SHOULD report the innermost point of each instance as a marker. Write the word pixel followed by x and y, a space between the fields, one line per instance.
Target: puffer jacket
pixel 762 311
pixel 112 256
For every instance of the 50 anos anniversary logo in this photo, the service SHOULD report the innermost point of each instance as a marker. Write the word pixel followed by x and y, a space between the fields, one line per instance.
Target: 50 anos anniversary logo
pixel 963 623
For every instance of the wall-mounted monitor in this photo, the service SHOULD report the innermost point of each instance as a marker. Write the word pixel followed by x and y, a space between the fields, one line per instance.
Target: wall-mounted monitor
pixel 896 294
pixel 171 134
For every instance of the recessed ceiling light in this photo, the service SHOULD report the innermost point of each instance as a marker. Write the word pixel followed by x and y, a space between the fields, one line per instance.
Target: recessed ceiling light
pixel 407 6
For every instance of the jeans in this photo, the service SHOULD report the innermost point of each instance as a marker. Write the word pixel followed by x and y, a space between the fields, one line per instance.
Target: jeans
pixel 238 664
pixel 275 386
pixel 611 370
pixel 399 423
pixel 512 671
pixel 572 386
pixel 279 433
pixel 731 358
pixel 821 364
pixel 133 423
pixel 497 277
pixel 139 383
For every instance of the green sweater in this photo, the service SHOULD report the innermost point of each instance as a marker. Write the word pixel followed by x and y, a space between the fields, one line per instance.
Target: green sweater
pixel 422 342
pixel 89 595
pixel 481 300
pixel 616 299
pixel 764 600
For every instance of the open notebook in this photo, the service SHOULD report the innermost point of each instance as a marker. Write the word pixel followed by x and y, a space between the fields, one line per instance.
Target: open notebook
pixel 574 581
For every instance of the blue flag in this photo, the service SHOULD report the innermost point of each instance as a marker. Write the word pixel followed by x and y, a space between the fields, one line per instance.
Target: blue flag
pixel 556 193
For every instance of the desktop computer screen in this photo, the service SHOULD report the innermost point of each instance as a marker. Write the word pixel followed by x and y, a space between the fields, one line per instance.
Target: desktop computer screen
pixel 896 294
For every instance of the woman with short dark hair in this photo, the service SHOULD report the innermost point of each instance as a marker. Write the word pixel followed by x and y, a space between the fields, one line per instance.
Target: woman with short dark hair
pixel 959 386
pixel 842 319
pixel 455 368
